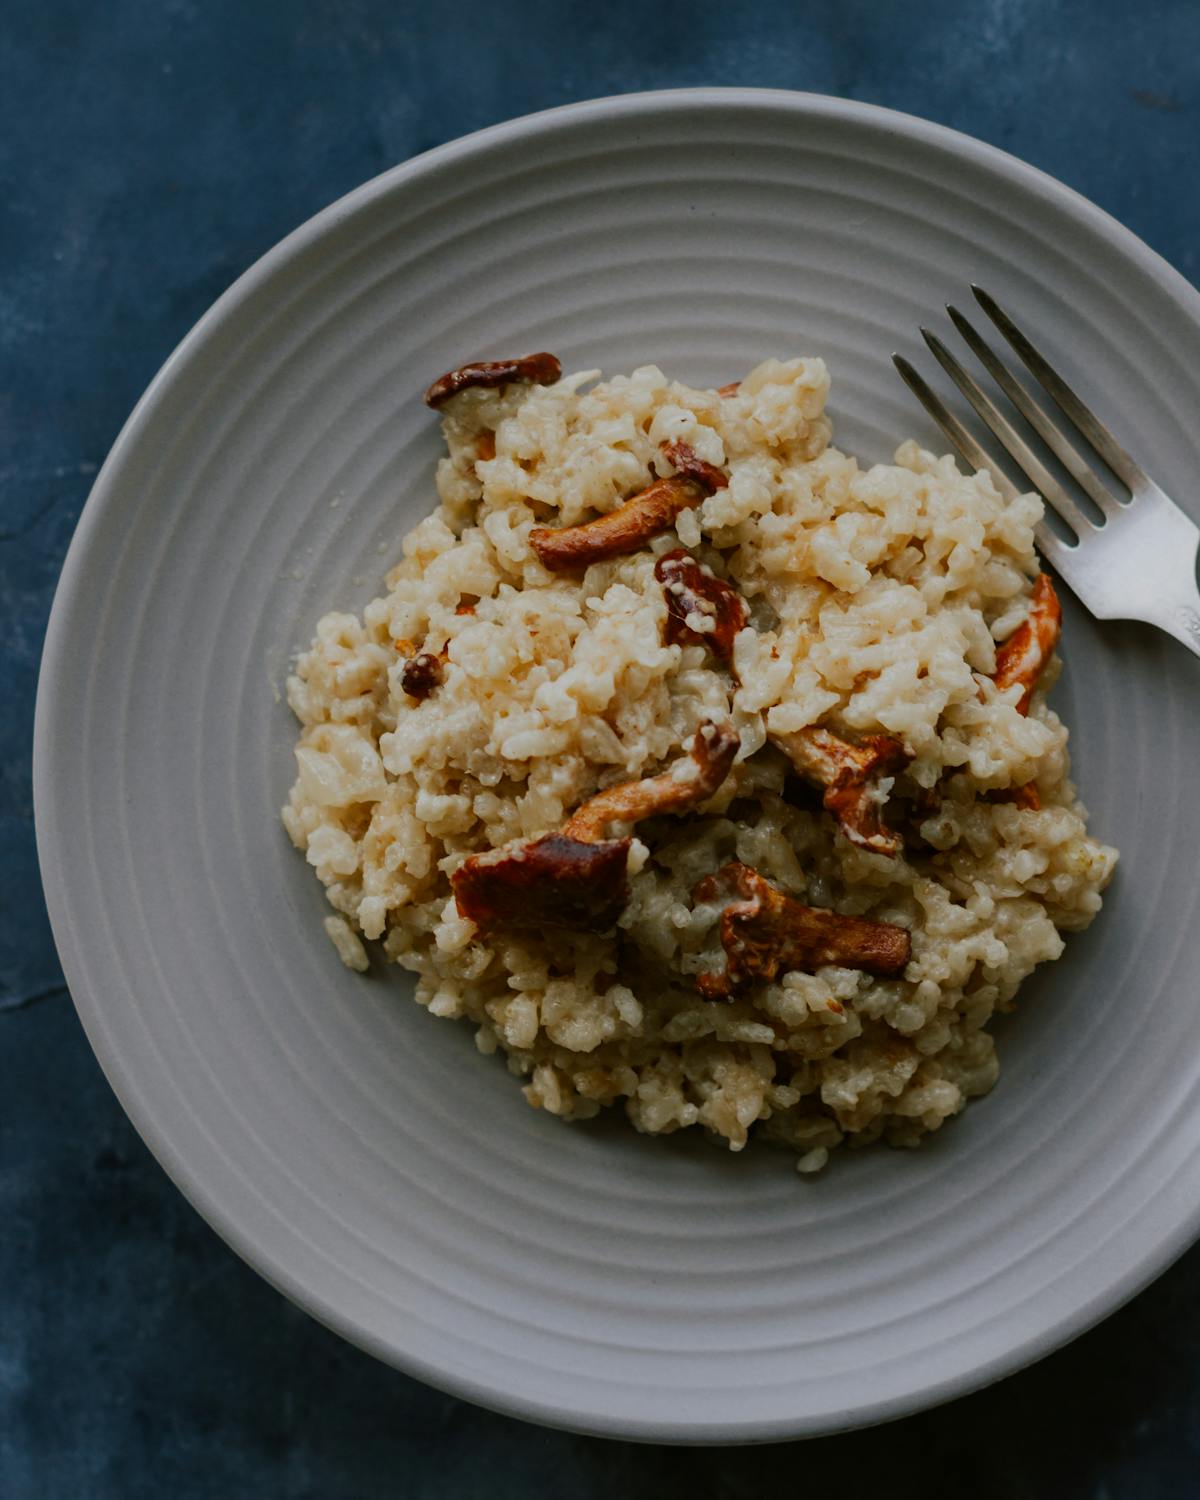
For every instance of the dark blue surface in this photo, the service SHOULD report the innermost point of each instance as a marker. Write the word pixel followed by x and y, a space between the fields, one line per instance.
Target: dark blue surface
pixel 148 153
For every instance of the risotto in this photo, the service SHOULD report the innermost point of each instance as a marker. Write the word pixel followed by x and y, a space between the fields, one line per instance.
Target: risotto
pixel 701 770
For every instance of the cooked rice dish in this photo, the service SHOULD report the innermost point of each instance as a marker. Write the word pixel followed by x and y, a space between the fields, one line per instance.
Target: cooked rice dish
pixel 700 769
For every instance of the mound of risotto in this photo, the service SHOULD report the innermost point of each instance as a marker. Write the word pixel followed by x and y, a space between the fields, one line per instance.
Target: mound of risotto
pixel 701 770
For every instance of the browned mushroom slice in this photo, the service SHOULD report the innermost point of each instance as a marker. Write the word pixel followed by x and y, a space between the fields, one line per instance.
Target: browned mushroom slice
pixel 689 782
pixel 624 530
pixel 421 674
pixel 694 592
pixel 535 369
pixel 576 877
pixel 1023 657
pixel 639 520
pixel 850 775
pixel 687 462
pixel 554 881
pixel 765 934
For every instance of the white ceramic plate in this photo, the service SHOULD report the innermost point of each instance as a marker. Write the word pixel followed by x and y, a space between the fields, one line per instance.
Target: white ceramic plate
pixel 359 1152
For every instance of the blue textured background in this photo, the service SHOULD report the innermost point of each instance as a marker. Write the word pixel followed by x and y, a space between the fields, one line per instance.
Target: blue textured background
pixel 148 153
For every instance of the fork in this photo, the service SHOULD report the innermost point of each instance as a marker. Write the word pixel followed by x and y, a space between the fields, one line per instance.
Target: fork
pixel 1138 562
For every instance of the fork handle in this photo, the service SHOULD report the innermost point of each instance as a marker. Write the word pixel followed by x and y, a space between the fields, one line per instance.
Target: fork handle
pixel 1182 621
pixel 1150 566
pixel 1176 604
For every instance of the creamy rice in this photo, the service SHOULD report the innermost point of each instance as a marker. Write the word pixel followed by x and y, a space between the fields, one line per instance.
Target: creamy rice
pixel 877 598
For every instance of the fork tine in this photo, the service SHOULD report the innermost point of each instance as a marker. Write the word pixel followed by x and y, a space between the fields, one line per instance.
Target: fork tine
pixel 1039 476
pixel 1122 465
pixel 974 455
pixel 1064 450
pixel 1052 547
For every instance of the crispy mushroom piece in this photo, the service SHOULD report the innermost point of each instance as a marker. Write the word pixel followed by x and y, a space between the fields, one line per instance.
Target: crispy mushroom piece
pixel 424 670
pixel 576 877
pixel 688 462
pixel 765 934
pixel 1023 656
pixel 690 781
pixel 535 369
pixel 421 674
pixel 624 530
pixel 1022 659
pixel 553 881
pixel 628 528
pixel 694 593
pixel 850 775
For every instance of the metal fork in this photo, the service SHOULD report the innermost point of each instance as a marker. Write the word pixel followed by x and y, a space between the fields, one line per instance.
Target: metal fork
pixel 1139 561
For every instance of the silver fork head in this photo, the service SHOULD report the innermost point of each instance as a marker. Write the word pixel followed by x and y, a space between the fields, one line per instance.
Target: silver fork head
pixel 1039 476
pixel 1138 560
pixel 1090 425
pixel 974 455
pixel 1067 454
